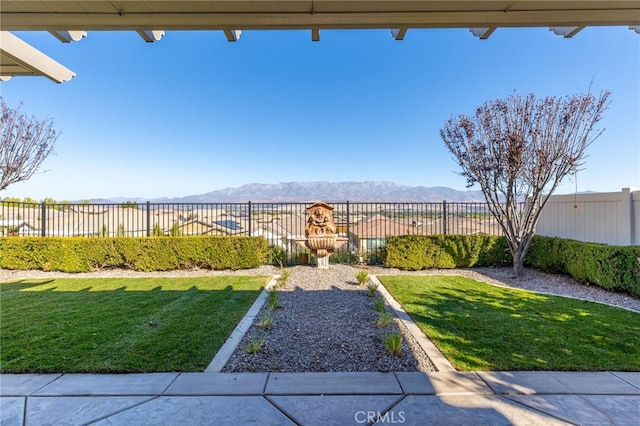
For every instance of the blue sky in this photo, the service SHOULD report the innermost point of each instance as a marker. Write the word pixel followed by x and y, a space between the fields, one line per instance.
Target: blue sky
pixel 193 113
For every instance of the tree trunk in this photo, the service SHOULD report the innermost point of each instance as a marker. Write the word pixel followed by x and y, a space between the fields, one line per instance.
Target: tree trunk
pixel 518 262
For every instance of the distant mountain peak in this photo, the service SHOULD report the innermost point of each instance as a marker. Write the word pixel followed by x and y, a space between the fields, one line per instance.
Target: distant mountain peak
pixel 374 191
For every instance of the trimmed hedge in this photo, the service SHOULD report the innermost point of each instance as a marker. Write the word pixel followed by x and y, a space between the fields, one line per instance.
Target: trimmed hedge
pixel 412 252
pixel 610 267
pixel 140 254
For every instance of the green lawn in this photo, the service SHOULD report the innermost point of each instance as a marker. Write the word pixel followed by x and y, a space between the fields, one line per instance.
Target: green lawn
pixel 119 325
pixel 478 326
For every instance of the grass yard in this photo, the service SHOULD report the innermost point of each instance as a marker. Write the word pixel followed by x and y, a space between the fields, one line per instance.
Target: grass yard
pixel 105 325
pixel 478 326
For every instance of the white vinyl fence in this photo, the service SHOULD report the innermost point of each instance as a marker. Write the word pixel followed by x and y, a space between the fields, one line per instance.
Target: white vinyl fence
pixel 609 217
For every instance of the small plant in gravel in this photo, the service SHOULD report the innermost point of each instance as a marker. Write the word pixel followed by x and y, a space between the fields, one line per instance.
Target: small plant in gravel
pixel 378 305
pixel 256 343
pixel 384 320
pixel 284 278
pixel 362 277
pixel 393 343
pixel 273 300
pixel 372 289
pixel 266 320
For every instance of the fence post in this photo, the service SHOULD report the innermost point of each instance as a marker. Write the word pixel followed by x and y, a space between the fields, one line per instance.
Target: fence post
pixel 43 218
pixel 148 219
pixel 348 243
pixel 444 217
pixel 249 218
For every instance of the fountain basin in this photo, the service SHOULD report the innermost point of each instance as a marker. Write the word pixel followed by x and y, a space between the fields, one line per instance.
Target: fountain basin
pixel 321 246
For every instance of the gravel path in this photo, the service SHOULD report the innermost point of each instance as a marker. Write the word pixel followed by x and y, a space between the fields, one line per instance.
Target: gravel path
pixel 327 321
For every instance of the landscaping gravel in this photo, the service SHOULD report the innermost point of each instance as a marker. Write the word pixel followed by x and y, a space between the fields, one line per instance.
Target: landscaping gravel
pixel 326 323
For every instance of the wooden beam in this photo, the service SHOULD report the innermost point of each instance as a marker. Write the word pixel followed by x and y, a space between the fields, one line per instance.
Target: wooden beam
pixel 232 35
pixel 151 35
pixel 399 33
pixel 566 32
pixel 482 33
pixel 20 58
pixel 69 36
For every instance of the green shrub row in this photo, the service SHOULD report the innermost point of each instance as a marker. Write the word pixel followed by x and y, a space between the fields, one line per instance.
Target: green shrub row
pixel 412 252
pixel 140 254
pixel 610 267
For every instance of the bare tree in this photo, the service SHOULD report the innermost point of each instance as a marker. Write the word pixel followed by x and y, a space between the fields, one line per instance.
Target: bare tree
pixel 520 149
pixel 26 143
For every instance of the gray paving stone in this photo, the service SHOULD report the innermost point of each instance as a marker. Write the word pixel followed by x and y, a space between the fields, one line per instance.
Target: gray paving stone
pixel 416 383
pixel 218 384
pixel 332 383
pixel 325 410
pixel 201 410
pixel 596 383
pixel 442 383
pixel 12 410
pixel 464 410
pixel 24 384
pixel 629 377
pixel 109 384
pixel 573 408
pixel 620 409
pixel 77 410
pixel 523 382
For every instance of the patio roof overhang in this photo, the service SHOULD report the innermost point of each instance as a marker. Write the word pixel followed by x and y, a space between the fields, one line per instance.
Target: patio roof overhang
pixel 150 18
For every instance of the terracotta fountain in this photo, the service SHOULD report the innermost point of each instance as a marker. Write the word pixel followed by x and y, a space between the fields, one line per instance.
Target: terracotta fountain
pixel 320 233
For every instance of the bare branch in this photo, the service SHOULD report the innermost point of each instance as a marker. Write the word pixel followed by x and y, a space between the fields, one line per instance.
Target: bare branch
pixel 26 143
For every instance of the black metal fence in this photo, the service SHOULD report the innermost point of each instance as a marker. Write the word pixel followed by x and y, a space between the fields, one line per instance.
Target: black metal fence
pixel 367 225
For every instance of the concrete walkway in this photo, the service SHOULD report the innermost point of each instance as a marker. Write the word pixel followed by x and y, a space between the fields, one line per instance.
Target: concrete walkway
pixel 448 398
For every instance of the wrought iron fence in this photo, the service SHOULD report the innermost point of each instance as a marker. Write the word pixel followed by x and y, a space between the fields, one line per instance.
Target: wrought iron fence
pixel 367 225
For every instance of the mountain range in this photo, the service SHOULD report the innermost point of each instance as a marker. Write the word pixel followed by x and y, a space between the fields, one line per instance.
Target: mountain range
pixel 325 191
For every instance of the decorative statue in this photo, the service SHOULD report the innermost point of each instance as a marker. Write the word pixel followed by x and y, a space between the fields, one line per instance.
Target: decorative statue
pixel 320 222
pixel 320 233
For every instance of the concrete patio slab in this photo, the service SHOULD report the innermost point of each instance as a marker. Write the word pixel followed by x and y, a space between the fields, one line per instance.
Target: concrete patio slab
pixel 523 382
pixel 332 383
pixel 631 377
pixel 442 383
pixel 12 410
pixel 218 384
pixel 595 383
pixel 585 410
pixel 321 410
pixel 464 410
pixel 24 384
pixel 109 384
pixel 201 410
pixel 78 410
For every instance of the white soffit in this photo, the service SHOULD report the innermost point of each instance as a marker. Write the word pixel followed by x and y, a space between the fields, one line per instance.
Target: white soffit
pixel 19 58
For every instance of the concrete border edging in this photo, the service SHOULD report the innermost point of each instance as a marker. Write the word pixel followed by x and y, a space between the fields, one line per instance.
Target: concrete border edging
pixel 224 353
pixel 437 358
